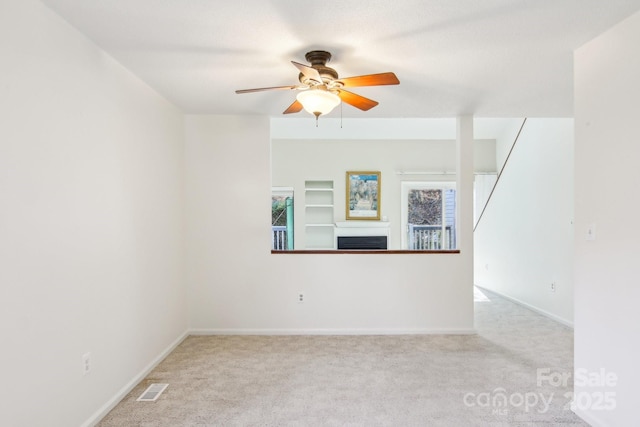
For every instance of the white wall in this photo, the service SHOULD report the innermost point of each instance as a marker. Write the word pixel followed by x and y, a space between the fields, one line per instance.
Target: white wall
pixel 91 222
pixel 504 139
pixel 524 241
pixel 237 286
pixel 607 269
pixel 296 160
pixel 482 186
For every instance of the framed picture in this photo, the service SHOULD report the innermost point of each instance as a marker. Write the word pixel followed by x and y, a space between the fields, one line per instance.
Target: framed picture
pixel 363 195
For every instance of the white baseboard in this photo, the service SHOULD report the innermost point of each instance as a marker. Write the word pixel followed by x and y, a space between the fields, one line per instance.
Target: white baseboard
pixel 551 316
pixel 104 410
pixel 242 331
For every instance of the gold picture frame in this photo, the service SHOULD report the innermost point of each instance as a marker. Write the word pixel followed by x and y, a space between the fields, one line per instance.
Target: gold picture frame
pixel 363 195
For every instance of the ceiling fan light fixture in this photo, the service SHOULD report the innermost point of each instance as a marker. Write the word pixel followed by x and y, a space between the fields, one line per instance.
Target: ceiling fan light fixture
pixel 318 101
pixel 322 91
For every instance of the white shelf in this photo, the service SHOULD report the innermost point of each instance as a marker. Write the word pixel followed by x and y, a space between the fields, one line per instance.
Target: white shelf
pixel 318 198
pixel 318 184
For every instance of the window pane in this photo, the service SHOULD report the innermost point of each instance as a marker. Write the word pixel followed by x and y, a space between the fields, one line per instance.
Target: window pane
pixel 425 207
pixel 430 216
pixel 281 222
pixel 278 210
pixel 450 219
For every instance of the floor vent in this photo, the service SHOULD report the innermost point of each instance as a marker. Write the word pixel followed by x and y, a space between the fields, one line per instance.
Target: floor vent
pixel 152 392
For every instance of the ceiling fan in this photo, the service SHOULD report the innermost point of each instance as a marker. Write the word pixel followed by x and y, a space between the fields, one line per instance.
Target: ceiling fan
pixel 321 89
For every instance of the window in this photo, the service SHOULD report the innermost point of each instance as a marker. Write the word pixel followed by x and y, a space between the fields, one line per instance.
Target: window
pixel 428 215
pixel 282 218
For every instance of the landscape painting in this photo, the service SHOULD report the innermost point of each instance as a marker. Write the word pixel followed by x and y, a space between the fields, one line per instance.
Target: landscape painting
pixel 363 195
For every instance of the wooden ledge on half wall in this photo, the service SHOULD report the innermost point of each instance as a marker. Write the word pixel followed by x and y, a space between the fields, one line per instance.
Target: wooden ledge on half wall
pixel 367 251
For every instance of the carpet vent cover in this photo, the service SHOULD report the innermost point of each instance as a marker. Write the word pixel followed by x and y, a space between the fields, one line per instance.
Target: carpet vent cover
pixel 152 392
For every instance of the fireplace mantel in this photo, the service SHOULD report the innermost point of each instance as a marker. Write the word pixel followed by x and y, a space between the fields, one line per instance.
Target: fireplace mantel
pixel 363 224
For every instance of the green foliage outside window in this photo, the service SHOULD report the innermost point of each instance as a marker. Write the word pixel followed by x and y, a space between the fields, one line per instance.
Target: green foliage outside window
pixel 278 210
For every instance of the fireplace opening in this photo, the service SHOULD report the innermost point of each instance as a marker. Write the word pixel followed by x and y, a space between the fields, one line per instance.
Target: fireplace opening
pixel 362 242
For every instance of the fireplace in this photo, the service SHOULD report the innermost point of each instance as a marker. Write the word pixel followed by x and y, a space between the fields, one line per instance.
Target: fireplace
pixel 362 242
pixel 362 235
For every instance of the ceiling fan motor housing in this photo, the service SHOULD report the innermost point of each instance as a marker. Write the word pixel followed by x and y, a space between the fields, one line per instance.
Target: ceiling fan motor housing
pixel 318 60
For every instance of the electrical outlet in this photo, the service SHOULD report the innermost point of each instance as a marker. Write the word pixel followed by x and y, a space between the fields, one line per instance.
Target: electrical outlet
pixel 300 298
pixel 86 363
pixel 553 286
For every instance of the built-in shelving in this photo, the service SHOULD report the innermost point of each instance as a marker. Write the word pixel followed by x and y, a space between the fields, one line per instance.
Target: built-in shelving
pixel 319 220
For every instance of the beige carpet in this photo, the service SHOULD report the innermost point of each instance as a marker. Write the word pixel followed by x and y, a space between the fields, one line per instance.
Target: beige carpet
pixel 432 380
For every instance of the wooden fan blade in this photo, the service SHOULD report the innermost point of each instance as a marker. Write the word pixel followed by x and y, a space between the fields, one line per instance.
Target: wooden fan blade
pixel 370 80
pixel 357 101
pixel 261 89
pixel 293 108
pixel 309 72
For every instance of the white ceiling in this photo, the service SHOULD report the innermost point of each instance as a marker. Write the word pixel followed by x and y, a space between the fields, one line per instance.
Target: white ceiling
pixel 490 58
